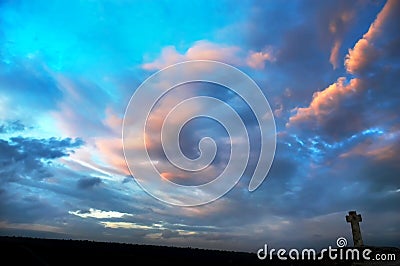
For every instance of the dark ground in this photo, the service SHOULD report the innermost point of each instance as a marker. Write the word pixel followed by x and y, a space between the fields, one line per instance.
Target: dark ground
pixel 35 251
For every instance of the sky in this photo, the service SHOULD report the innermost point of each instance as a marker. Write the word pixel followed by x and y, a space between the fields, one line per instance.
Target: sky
pixel 329 69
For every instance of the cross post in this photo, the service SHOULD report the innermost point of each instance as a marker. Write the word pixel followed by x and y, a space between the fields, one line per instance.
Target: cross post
pixel 354 219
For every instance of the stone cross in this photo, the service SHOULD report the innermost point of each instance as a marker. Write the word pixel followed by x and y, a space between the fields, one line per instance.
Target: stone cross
pixel 354 219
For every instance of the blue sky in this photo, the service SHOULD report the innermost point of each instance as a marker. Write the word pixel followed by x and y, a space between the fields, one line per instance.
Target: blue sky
pixel 330 70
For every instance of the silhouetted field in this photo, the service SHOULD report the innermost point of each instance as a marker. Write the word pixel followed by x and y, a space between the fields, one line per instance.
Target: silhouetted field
pixel 35 251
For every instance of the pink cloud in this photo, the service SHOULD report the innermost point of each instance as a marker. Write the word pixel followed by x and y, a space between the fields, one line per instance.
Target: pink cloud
pixel 339 20
pixel 111 152
pixel 169 56
pixel 213 51
pixel 257 60
pixel 337 27
pixel 364 51
pixel 113 121
pixel 326 101
pixel 100 127
pixel 334 57
pixel 201 50
pixel 384 148
pixel 360 56
pixel 77 115
pixel 205 50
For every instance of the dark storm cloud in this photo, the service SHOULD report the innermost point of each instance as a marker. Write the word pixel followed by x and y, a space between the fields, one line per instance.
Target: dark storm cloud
pixel 28 157
pixel 88 183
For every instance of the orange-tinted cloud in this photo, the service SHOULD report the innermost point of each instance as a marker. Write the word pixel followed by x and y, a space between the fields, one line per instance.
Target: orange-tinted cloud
pixel 383 148
pixel 365 51
pixel 337 27
pixel 257 60
pixel 326 101
pixel 201 50
pixel 172 176
pixel 111 152
pixel 113 121
pixel 205 50
pixel 334 57
pixel 361 57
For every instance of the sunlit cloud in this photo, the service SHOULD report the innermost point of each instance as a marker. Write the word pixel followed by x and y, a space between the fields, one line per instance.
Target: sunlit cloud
pixel 334 57
pixel 338 26
pixel 205 50
pixel 257 60
pixel 365 51
pixel 327 101
pixel 99 214
pixel 125 225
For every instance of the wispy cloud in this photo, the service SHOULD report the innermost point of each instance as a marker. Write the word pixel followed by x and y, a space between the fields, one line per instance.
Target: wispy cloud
pixel 125 225
pixel 32 227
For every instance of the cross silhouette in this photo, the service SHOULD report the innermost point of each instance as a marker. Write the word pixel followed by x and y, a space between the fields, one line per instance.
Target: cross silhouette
pixel 354 219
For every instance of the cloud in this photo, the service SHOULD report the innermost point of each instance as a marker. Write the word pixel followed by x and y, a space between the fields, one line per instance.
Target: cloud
pixel 166 233
pixel 340 20
pixel 82 111
pixel 200 50
pixel 11 127
pixel 28 157
pixel 373 44
pixel 88 183
pixel 32 227
pixel 23 83
pixel 343 108
pixel 99 214
pixel 111 152
pixel 339 151
pixel 206 50
pixel 86 110
pixel 382 148
pixel 303 36
pixel 360 57
pixel 347 136
pixel 257 60
pixel 334 57
pixel 125 225
pixel 328 108
pixel 113 121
